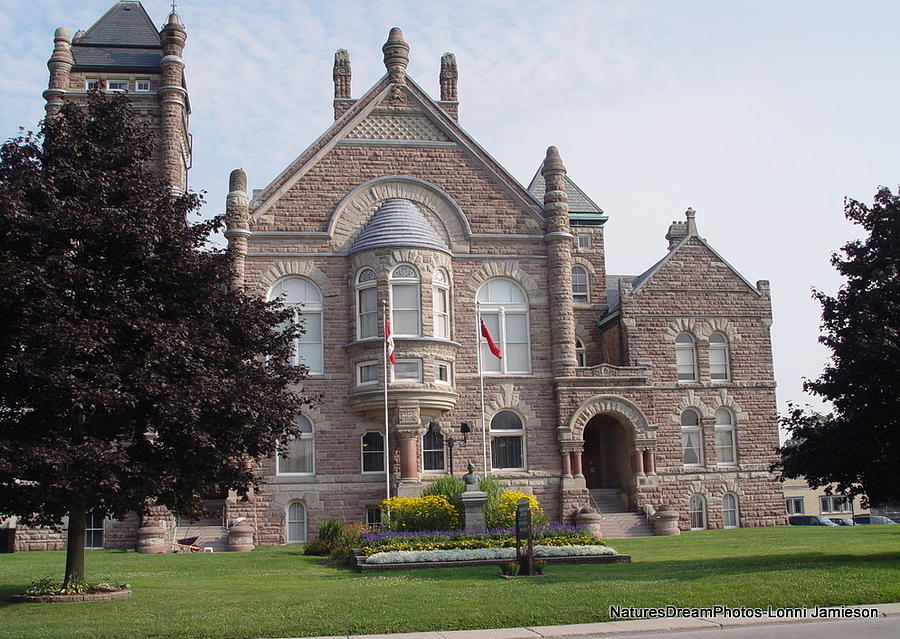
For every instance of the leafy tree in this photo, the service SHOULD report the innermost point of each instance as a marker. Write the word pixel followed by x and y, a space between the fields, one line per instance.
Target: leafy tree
pixel 117 326
pixel 857 446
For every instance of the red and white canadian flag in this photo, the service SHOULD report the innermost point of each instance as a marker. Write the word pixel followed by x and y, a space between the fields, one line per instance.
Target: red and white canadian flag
pixel 389 338
pixel 486 334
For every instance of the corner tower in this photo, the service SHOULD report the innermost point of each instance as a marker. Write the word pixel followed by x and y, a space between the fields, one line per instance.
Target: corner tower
pixel 123 52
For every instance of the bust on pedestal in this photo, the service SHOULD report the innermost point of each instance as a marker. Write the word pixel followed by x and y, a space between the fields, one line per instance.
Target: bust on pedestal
pixel 473 500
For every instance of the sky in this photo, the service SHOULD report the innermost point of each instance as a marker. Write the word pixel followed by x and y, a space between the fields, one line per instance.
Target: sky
pixel 762 116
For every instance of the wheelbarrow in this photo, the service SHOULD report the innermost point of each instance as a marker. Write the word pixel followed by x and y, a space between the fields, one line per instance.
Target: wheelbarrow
pixel 186 545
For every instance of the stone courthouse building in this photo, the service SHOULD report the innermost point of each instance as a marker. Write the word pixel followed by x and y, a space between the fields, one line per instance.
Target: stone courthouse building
pixel 625 393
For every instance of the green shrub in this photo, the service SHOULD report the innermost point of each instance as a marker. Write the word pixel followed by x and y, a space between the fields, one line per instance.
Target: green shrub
pixel 317 547
pixel 330 531
pixel 500 512
pixel 346 540
pixel 451 488
pixel 510 568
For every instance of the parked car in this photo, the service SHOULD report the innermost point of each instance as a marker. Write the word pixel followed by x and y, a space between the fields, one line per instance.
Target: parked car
pixel 865 520
pixel 843 521
pixel 810 520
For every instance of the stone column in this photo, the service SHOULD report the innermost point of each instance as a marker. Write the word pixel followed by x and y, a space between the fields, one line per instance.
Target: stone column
pixel 576 464
pixel 60 65
pixel 566 463
pixel 637 462
pixel 448 79
pixel 558 239
pixel 649 462
pixel 409 428
pixel 341 75
pixel 408 455
pixel 237 225
pixel 173 110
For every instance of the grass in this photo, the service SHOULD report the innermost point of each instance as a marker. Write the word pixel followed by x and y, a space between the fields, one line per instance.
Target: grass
pixel 277 592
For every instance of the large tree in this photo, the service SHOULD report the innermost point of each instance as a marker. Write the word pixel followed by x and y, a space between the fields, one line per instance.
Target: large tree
pixel 857 446
pixel 129 372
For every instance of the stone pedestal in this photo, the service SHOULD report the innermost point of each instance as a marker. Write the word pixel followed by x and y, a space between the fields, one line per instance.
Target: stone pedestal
pixel 408 488
pixel 151 540
pixel 240 538
pixel 665 522
pixel 473 507
pixel 591 520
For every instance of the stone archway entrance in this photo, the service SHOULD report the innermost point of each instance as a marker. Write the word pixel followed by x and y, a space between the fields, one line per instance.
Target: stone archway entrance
pixel 607 453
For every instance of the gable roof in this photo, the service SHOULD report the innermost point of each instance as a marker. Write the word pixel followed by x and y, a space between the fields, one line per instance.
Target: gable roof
pixel 360 111
pixel 124 38
pixel 579 202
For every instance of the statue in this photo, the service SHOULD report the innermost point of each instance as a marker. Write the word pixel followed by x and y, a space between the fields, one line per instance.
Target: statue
pixel 471 478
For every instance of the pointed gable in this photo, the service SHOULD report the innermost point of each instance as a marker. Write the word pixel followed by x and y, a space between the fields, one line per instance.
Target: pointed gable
pixel 123 39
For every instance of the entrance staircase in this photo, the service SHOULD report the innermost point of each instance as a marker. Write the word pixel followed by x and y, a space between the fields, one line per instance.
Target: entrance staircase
pixel 210 531
pixel 617 521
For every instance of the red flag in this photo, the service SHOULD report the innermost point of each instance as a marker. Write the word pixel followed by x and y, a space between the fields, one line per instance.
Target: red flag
pixel 486 334
pixel 390 340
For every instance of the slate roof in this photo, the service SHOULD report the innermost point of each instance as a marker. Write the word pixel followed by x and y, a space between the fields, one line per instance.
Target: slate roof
pixel 398 222
pixel 579 202
pixel 123 38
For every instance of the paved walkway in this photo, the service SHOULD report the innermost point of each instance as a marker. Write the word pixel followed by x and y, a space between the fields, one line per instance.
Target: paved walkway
pixel 808 618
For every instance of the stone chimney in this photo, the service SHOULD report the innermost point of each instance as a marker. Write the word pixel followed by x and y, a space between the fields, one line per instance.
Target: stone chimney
pixel 448 78
pixel 342 75
pixel 680 230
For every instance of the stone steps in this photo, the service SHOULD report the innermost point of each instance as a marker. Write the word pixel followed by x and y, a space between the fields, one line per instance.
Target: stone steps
pixel 214 537
pixel 617 521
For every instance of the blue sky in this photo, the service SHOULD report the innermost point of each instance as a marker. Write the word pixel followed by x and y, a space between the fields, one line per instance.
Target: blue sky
pixel 760 115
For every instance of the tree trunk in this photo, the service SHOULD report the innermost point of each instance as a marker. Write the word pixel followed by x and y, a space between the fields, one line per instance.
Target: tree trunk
pixel 75 544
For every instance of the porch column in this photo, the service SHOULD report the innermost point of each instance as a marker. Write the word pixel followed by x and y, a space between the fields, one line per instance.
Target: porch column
pixel 576 464
pixel 408 456
pixel 637 462
pixel 649 462
pixel 566 464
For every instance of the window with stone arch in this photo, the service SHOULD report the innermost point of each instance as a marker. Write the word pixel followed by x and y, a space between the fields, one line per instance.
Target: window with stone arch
pixel 725 440
pixel 503 307
pixel 366 304
pixel 719 360
pixel 730 518
pixel 691 438
pixel 296 522
pixel 580 292
pixel 406 309
pixel 440 291
pixel 580 359
pixel 305 299
pixel 300 456
pixel 507 441
pixel 697 512
pixel 686 357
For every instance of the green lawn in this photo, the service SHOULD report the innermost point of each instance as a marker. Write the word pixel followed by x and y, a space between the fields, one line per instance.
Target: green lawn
pixel 276 592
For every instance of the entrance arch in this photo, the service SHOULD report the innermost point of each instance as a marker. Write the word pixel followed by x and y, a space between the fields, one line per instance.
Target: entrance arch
pixel 608 444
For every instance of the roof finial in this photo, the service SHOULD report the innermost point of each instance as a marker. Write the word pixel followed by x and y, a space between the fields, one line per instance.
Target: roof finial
pixel 396 56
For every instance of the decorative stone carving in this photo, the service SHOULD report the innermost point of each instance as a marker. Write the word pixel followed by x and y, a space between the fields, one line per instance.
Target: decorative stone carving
pixel 300 267
pixel 611 404
pixel 537 294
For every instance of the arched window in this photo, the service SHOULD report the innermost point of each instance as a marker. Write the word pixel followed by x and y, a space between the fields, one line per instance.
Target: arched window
pixel 432 451
pixel 296 523
pixel 373 452
pixel 686 357
pixel 366 304
pixel 725 454
pixel 719 369
pixel 300 457
pixel 440 291
pixel 730 517
pixel 691 438
pixel 697 512
pixel 580 285
pixel 579 352
pixel 507 441
pixel 504 309
pixel 405 305
pixel 305 298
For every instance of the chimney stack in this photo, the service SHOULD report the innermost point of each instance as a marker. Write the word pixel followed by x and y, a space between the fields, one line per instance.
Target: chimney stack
pixel 342 76
pixel 448 78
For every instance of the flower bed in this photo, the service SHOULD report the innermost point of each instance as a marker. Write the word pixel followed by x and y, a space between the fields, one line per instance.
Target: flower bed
pixel 553 535
pixel 481 554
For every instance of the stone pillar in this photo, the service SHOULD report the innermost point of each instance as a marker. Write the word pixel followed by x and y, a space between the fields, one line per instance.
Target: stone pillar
pixel 576 464
pixel 396 56
pixel 637 462
pixel 174 146
pixel 649 462
pixel 448 78
pixel 237 225
pixel 473 501
pixel 558 239
pixel 60 65
pixel 665 522
pixel 408 455
pixel 590 519
pixel 240 538
pixel 566 463
pixel 406 437
pixel 151 540
pixel 342 76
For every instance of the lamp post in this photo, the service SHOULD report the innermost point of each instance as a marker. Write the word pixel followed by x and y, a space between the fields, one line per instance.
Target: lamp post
pixel 436 429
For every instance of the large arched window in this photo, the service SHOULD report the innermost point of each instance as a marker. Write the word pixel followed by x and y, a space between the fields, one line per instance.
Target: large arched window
pixel 507 441
pixel 730 517
pixel 366 304
pixel 580 359
pixel 697 512
pixel 691 438
pixel 725 453
pixel 686 357
pixel 372 452
pixel 440 289
pixel 305 298
pixel 580 285
pixel 405 305
pixel 504 309
pixel 300 457
pixel 719 369
pixel 296 523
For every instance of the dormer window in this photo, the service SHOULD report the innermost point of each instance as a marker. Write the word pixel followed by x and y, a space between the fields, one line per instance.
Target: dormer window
pixel 118 86
pixel 142 86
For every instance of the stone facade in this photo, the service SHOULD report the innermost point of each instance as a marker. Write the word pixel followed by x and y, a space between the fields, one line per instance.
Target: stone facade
pixel 607 412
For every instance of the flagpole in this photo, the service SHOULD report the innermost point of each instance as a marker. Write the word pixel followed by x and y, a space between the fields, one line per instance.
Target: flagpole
pixel 484 465
pixel 387 448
